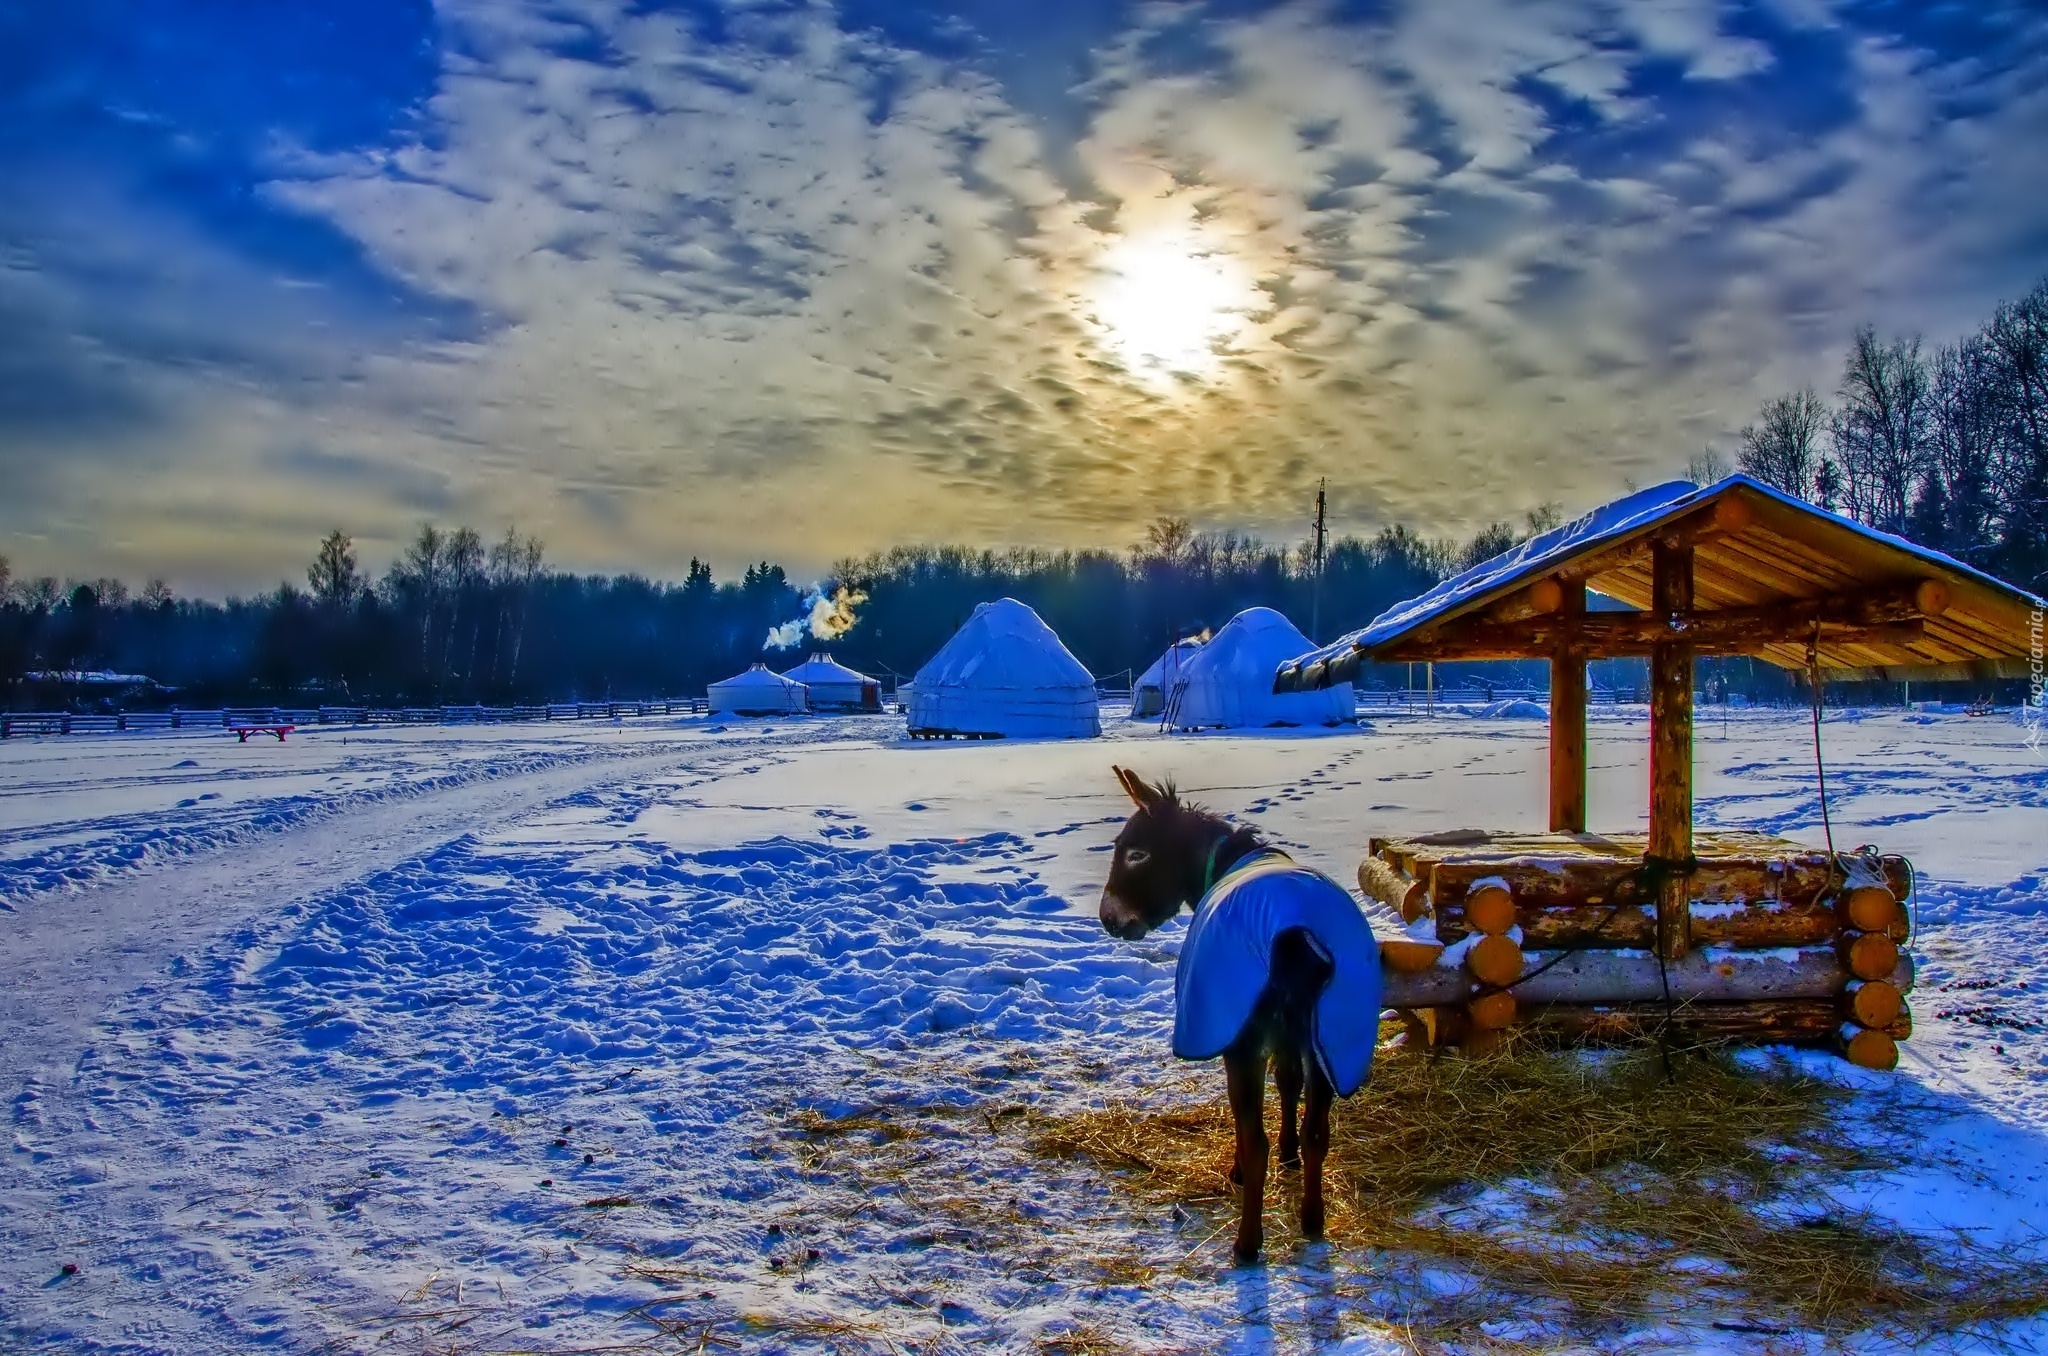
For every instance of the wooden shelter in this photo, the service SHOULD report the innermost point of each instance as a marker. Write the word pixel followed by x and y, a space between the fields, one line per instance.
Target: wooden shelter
pixel 1797 944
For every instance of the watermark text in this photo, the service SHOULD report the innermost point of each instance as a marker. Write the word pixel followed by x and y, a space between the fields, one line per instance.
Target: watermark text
pixel 2033 714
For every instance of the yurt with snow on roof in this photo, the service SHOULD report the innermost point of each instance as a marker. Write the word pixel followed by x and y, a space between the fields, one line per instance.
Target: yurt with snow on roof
pixel 757 692
pixel 831 686
pixel 1228 683
pixel 1149 693
pixel 1004 674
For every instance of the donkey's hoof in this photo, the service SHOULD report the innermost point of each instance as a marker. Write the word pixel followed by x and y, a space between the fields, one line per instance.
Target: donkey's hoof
pixel 1312 1225
pixel 1290 1162
pixel 1244 1256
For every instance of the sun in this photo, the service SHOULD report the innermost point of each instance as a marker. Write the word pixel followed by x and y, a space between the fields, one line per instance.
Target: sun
pixel 1166 303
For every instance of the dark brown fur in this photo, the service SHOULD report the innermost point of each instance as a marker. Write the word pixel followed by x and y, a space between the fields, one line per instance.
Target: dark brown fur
pixel 1167 855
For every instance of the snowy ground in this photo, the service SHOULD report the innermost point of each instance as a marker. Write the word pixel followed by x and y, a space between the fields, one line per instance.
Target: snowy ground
pixel 358 1042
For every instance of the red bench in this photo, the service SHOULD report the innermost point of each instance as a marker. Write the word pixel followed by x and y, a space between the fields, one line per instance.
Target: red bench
pixel 242 732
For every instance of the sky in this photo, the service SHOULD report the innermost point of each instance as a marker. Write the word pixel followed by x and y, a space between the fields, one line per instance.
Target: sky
pixel 794 281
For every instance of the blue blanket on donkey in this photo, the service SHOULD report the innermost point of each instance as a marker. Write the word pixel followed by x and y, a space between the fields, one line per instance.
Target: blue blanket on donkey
pixel 1229 949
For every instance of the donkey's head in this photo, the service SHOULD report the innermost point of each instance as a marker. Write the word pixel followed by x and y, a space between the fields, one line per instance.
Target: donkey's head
pixel 1164 857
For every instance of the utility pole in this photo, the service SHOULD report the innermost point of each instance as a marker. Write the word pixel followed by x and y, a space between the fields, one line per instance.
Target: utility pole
pixel 1315 607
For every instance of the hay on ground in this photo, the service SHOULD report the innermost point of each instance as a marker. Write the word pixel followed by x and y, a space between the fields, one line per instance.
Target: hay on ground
pixel 1609 1179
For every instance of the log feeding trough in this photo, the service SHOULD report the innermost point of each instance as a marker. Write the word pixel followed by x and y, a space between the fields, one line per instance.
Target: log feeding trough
pixel 1723 936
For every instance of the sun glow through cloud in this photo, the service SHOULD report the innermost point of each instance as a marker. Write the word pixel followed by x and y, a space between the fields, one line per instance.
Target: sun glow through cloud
pixel 1167 303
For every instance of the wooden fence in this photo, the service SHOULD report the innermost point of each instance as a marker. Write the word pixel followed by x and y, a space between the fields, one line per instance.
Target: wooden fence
pixel 14 723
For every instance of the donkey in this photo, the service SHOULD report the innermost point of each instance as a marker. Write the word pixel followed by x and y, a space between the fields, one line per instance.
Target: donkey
pixel 1279 962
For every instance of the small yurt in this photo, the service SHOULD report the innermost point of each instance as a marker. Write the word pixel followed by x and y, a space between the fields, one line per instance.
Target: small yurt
pixel 832 686
pixel 1229 681
pixel 1148 694
pixel 757 692
pixel 1004 674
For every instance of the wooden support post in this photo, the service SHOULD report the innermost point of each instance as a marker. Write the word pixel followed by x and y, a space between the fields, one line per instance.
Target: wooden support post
pixel 1568 721
pixel 1671 750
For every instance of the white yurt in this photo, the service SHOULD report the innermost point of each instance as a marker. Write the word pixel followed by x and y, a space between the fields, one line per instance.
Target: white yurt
pixel 1148 694
pixel 1229 681
pixel 832 686
pixel 757 692
pixel 1002 674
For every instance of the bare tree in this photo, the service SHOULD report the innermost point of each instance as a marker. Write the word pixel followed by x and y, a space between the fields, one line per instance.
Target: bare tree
pixel 515 564
pixel 334 577
pixel 1166 540
pixel 1955 507
pixel 1706 466
pixel 156 594
pixel 420 577
pixel 463 560
pixel 1880 431
pixel 41 594
pixel 2016 342
pixel 1782 449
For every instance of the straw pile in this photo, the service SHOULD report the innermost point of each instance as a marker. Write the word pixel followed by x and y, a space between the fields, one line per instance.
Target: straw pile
pixel 1571 1191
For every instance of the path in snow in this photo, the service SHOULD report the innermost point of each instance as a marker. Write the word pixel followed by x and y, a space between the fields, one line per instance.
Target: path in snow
pixel 508 1069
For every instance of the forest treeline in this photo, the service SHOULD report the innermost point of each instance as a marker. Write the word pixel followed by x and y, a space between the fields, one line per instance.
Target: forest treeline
pixel 1948 448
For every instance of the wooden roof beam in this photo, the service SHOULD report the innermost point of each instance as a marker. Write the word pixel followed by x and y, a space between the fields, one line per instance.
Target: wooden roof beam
pixel 1630 635
pixel 1885 615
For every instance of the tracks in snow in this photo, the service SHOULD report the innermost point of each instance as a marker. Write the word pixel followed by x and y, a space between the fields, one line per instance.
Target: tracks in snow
pixel 70 954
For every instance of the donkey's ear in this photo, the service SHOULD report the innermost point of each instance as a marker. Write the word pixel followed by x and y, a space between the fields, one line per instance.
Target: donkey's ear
pixel 1143 796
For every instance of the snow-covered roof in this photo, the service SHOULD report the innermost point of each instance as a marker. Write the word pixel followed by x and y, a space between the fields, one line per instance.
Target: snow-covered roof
pixel 757 676
pixel 823 668
pixel 1229 681
pixel 1003 645
pixel 1004 673
pixel 1785 549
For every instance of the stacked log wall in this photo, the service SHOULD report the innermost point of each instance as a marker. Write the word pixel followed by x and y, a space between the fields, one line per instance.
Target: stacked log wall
pixel 1512 906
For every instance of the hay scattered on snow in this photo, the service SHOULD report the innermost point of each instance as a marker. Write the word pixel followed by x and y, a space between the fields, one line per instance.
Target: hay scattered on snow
pixel 1580 1187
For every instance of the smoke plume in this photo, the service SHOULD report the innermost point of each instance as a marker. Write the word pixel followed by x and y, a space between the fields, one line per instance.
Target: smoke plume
pixel 824 618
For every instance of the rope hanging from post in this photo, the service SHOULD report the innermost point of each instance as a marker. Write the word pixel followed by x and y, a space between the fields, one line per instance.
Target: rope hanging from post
pixel 1820 770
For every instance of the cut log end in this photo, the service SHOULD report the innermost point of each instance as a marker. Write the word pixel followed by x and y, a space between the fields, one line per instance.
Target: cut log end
pixel 1873 1003
pixel 1494 960
pixel 1490 909
pixel 1872 908
pixel 1868 1049
pixel 1932 597
pixel 1380 881
pixel 1870 955
pixel 1406 956
pixel 1491 1011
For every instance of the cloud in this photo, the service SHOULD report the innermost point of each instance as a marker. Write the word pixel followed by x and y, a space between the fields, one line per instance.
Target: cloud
pixel 786 285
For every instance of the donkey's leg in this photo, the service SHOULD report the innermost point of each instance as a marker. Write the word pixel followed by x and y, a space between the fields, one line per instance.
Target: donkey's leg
pixel 1315 1147
pixel 1287 1074
pixel 1247 1075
